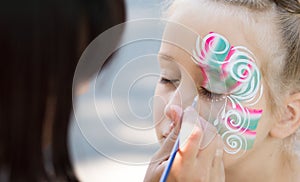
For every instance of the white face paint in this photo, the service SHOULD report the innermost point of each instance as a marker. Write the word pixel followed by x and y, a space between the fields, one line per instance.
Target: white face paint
pixel 231 72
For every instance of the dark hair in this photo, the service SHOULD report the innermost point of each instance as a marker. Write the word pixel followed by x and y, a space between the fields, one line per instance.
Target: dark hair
pixel 41 42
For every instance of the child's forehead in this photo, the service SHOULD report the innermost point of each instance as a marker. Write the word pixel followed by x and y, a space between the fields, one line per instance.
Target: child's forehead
pixel 204 19
pixel 240 28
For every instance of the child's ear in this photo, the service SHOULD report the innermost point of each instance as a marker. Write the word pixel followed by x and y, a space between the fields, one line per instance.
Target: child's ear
pixel 290 119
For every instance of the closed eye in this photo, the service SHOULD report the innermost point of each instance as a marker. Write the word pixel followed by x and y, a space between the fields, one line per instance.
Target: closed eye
pixel 174 82
pixel 212 97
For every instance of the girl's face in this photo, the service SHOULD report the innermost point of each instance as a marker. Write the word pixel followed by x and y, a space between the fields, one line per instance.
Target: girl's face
pixel 182 79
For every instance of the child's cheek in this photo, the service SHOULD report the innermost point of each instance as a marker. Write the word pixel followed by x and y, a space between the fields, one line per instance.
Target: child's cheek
pixel 231 71
pixel 236 124
pixel 210 110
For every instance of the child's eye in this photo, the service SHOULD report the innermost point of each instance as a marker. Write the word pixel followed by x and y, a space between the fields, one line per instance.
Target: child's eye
pixel 212 97
pixel 164 80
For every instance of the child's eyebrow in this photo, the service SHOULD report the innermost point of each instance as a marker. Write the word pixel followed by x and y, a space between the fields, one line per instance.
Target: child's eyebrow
pixel 164 56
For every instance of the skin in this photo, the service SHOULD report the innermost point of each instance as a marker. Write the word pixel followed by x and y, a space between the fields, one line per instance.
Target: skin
pixel 265 161
pixel 218 79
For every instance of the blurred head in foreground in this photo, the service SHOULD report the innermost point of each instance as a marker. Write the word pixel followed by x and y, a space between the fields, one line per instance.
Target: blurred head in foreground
pixel 41 43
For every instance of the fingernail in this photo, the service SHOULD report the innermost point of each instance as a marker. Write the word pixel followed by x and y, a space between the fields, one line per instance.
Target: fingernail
pixel 172 126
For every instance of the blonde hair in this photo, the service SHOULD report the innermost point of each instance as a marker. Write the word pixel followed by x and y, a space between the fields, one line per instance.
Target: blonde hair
pixel 288 22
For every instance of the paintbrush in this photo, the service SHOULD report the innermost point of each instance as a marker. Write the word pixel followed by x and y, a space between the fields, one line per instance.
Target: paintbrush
pixel 174 151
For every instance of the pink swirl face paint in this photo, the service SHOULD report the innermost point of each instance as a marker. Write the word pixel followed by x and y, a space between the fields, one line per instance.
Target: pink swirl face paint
pixel 231 71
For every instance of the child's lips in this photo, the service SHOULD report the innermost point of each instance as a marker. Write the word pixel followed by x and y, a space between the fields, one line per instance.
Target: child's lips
pixel 173 113
pixel 166 133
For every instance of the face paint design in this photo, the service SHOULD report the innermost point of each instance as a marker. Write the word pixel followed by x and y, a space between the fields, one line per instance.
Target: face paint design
pixel 231 71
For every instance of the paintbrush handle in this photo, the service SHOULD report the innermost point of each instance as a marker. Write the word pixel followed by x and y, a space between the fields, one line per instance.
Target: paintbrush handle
pixel 167 170
pixel 175 148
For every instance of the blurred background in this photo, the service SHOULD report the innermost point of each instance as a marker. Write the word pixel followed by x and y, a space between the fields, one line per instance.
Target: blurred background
pixel 112 136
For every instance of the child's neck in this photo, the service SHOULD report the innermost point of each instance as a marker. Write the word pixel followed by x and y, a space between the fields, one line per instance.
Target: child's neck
pixel 267 163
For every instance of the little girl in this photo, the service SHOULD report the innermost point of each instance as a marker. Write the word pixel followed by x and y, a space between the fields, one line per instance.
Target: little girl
pixel 243 62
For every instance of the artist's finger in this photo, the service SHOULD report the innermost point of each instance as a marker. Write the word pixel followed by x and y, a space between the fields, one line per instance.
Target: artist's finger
pixel 191 134
pixel 159 171
pixel 218 158
pixel 207 155
pixel 217 171
pixel 154 171
pixel 160 158
pixel 174 113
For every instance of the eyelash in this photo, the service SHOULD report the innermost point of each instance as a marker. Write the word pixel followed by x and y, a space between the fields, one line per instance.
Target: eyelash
pixel 210 96
pixel 167 81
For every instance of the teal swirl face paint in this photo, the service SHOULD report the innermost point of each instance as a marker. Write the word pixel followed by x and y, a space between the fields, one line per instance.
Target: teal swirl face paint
pixel 231 71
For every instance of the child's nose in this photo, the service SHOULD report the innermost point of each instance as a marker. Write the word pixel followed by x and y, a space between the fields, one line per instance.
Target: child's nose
pixel 182 97
pixel 175 99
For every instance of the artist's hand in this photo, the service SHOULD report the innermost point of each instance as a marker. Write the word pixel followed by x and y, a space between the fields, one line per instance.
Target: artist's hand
pixel 160 158
pixel 190 164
